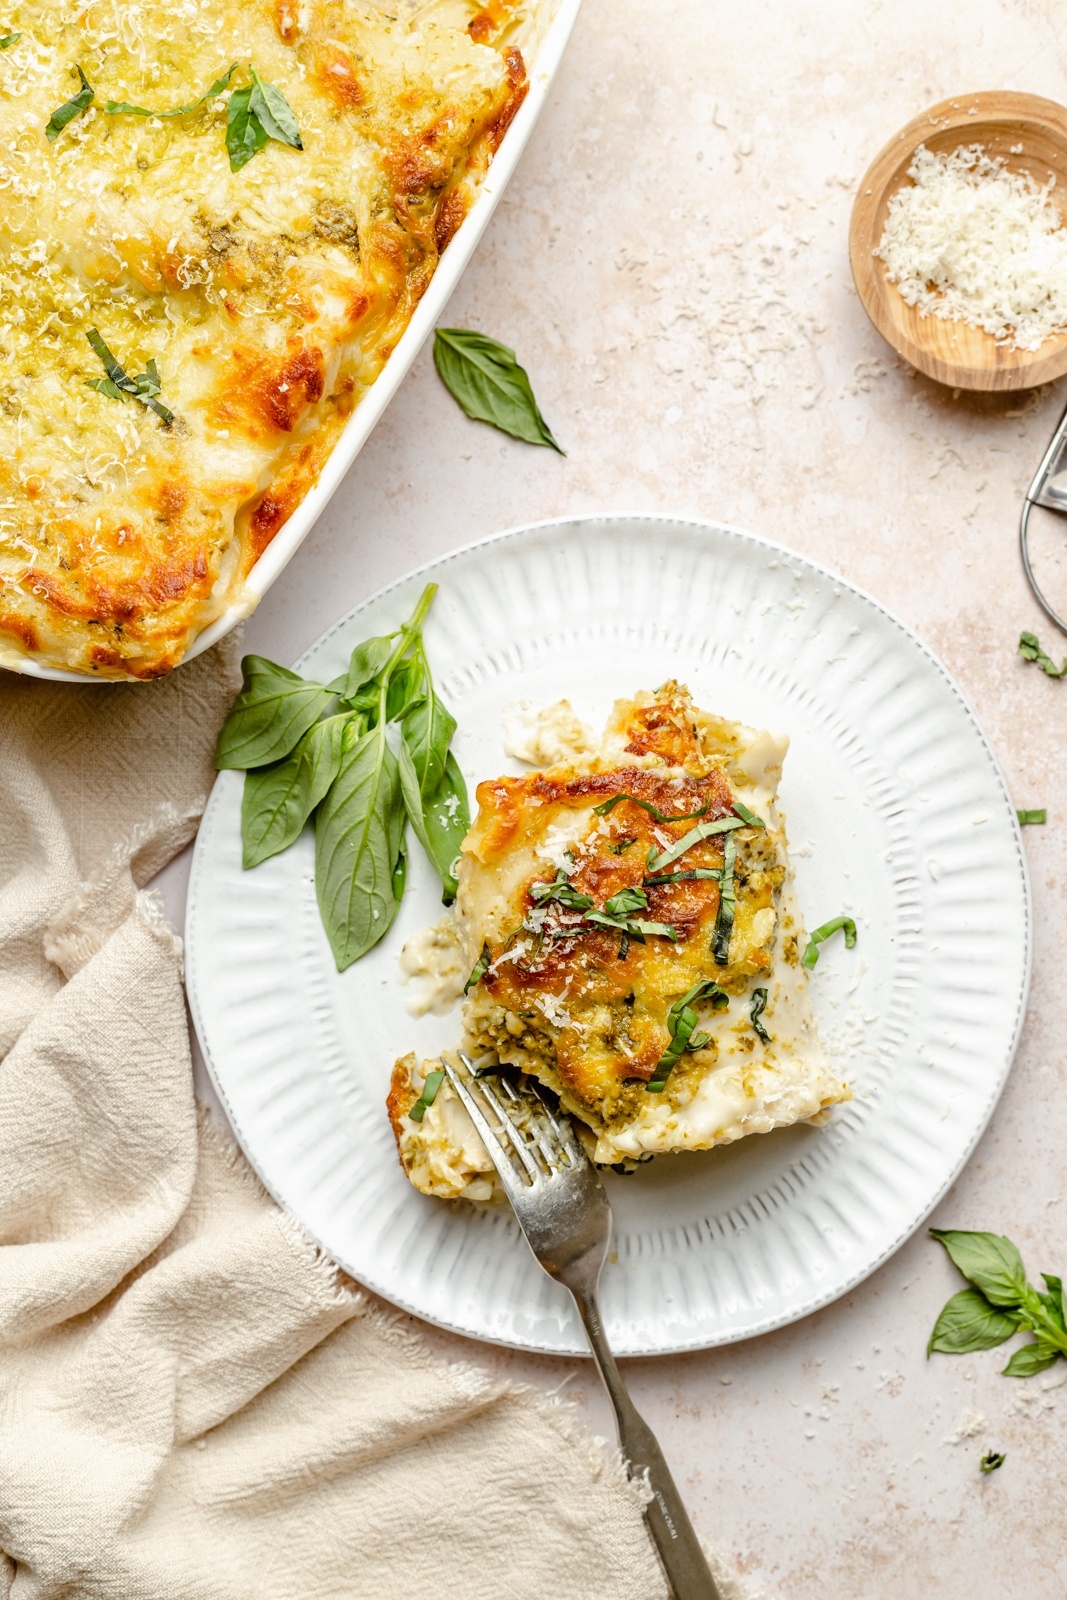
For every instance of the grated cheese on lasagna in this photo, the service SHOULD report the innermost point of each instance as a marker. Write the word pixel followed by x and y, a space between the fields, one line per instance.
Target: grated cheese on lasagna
pixel 268 298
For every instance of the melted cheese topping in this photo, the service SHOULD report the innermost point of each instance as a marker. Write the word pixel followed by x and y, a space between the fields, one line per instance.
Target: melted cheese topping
pixel 269 298
pixel 585 1011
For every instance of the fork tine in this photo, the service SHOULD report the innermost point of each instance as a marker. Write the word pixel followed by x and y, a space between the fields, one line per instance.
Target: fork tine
pixel 516 1183
pixel 511 1133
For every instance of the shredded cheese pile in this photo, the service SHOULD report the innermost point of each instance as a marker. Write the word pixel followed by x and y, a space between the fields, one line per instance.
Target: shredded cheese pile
pixel 970 241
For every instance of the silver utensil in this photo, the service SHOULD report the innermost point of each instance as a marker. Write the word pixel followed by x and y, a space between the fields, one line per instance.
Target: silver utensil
pixel 562 1209
pixel 1049 489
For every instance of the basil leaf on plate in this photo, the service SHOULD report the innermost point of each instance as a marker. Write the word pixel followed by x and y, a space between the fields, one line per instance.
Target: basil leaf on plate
pixel 486 379
pixel 273 112
pixel 245 134
pixel 1031 1359
pixel 279 799
pixel 270 716
pixel 818 936
pixel 968 1322
pixel 440 823
pixel 122 108
pixel 74 107
pixel 358 831
pixel 756 1010
pixel 987 1260
pixel 427 729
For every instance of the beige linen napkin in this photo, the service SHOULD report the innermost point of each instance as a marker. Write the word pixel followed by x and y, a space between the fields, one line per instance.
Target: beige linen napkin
pixel 194 1405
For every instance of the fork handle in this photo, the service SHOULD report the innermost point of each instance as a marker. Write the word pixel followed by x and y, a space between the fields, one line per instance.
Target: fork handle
pixel 668 1521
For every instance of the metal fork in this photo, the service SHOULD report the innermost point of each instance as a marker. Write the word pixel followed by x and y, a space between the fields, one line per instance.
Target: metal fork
pixel 562 1209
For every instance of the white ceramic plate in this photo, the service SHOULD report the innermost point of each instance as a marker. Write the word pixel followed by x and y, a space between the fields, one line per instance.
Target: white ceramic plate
pixel 897 813
pixel 542 67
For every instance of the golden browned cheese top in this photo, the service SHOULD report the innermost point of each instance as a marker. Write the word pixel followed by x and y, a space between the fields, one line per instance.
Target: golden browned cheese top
pixel 269 298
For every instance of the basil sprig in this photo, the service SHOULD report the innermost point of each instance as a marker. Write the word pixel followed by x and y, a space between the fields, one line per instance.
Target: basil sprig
pixel 485 378
pixel 1030 650
pixel 818 936
pixel 1027 817
pixel 1001 1301
pixel 256 113
pixel 434 1080
pixel 122 108
pixel 364 755
pixel 74 107
pixel 681 1024
pixel 9 39
pixel 144 387
pixel 758 1007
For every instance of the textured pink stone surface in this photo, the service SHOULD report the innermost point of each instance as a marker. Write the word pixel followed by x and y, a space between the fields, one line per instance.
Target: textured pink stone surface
pixel 670 264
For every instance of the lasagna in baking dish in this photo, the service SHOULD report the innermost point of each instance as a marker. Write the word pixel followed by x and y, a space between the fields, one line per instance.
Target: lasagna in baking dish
pixel 632 933
pixel 216 221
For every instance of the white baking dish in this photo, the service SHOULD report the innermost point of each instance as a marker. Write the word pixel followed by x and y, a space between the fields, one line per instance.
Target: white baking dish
pixel 542 69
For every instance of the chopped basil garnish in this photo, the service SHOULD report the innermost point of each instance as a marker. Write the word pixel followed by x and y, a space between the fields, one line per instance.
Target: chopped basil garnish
pixel 703 830
pixel 255 114
pixel 724 922
pixel 619 847
pixel 618 913
pixel 817 936
pixel 561 891
pixel 682 877
pixel 481 967
pixel 122 108
pixel 991 1461
pixel 1026 817
pixel 426 1099
pixel 74 107
pixel 1030 650
pixel 118 385
pixel 759 1006
pixel 486 380
pixel 9 39
pixel 681 1024
pixel 607 806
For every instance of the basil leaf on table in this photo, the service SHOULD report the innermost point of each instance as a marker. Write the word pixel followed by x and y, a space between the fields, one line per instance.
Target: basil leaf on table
pixel 1030 650
pixel 989 1261
pixel 968 1322
pixel 270 716
pixel 358 833
pixel 1031 1359
pixel 122 108
pixel 74 107
pixel 485 378
pixel 279 799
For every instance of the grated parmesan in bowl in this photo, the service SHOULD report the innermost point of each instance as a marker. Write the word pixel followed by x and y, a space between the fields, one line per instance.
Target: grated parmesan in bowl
pixel 970 241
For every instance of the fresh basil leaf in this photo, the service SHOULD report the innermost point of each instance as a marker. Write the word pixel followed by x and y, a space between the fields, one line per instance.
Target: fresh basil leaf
pixel 606 807
pixel 748 816
pixel 434 832
pixel 9 39
pixel 968 1322
pixel 681 1023
pixel 703 830
pixel 427 730
pixel 279 799
pixel 365 663
pixel 245 134
pixel 400 876
pixel 118 384
pixel 724 920
pixel 1031 1359
pixel 273 112
pixel 695 873
pixel 122 108
pixel 1030 650
pixel 358 832
pixel 270 716
pixel 489 384
pixel 448 821
pixel 74 107
pixel 758 1007
pixel 1054 1297
pixel 818 936
pixel 481 967
pixel 426 1099
pixel 991 1461
pixel 407 688
pixel 625 901
pixel 1027 817
pixel 987 1260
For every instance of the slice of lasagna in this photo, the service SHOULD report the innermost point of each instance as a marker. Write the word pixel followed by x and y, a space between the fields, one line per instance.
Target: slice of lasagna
pixel 632 932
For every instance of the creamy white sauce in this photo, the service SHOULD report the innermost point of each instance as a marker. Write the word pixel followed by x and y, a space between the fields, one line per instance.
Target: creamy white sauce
pixel 543 736
pixel 433 963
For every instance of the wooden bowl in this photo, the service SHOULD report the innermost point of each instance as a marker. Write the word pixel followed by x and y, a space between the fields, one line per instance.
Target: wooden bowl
pixel 953 352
